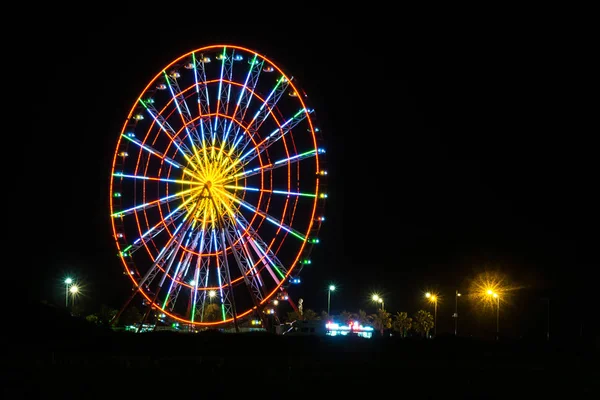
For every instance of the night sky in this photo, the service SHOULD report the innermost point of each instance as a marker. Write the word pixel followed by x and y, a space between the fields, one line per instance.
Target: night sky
pixel 448 152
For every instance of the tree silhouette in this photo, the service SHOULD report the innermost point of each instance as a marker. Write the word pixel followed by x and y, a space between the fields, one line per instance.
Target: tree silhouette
pixel 361 317
pixel 130 316
pixel 381 320
pixel 402 323
pixel 212 313
pixel 106 315
pixel 423 322
pixel 293 316
pixel 310 315
pixel 345 317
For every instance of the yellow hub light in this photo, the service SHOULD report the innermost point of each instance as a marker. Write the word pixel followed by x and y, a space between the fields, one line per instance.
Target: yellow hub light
pixel 212 168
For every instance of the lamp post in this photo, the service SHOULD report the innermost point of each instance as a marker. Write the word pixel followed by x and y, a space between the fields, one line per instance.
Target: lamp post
pixel 74 290
pixel 497 297
pixel 497 316
pixel 456 313
pixel 68 282
pixel 330 289
pixel 433 298
pixel 548 319
pixel 211 295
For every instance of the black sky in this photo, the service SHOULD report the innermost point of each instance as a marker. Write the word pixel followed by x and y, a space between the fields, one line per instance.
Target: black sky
pixel 449 149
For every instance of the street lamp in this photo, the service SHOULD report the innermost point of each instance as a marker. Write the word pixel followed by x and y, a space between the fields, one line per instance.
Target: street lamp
pixel 68 282
pixel 456 313
pixel 433 298
pixel 331 289
pixel 211 295
pixel 378 299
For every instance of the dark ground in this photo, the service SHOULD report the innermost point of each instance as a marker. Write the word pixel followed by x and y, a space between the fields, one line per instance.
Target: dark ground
pixel 71 359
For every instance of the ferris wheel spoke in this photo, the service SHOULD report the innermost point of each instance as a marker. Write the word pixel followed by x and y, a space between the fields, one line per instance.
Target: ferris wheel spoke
pixel 273 191
pixel 225 83
pixel 202 92
pixel 155 271
pixel 237 219
pixel 201 275
pixel 243 260
pixel 183 260
pixel 170 132
pixel 224 279
pixel 244 98
pixel 265 254
pixel 273 137
pixel 169 250
pixel 155 152
pixel 152 204
pixel 247 91
pixel 177 286
pixel 184 112
pixel 201 272
pixel 252 266
pixel 277 164
pixel 223 96
pixel 154 231
pixel 182 266
pixel 150 178
pixel 168 262
pixel 264 215
pixel 261 115
pixel 164 254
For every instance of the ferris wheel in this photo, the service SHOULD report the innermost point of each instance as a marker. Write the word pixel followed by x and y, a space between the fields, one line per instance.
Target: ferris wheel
pixel 217 188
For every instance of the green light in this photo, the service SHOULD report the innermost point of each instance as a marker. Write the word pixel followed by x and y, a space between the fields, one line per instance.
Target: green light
pixel 193 311
pixel 278 271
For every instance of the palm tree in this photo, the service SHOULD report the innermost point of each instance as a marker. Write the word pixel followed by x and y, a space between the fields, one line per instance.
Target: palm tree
pixel 293 316
pixel 106 314
pixel 345 317
pixel 382 320
pixel 402 323
pixel 310 315
pixel 361 317
pixel 423 322
pixel 212 312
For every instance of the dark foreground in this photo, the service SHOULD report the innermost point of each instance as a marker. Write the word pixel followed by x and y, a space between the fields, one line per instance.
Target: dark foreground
pixel 88 364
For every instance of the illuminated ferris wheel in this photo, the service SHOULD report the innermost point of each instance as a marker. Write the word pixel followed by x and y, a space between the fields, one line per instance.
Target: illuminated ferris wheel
pixel 217 187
